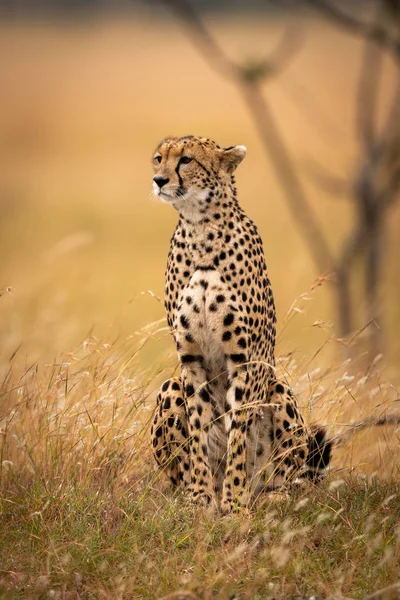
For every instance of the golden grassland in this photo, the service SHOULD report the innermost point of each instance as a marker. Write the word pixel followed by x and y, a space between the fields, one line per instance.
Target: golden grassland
pixel 84 344
pixel 84 513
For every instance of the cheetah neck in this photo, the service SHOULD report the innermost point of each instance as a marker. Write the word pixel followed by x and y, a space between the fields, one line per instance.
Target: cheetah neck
pixel 209 207
pixel 207 235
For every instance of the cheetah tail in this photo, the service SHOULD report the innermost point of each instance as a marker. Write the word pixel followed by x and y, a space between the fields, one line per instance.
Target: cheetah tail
pixel 319 452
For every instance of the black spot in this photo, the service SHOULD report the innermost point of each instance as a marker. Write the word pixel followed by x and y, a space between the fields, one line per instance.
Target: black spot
pixel 239 394
pixel 184 322
pixel 226 336
pixel 238 358
pixel 179 401
pixel 175 386
pixel 228 319
pixel 280 389
pixel 167 403
pixel 236 481
pixel 289 410
pixel 165 386
pixel 191 358
pixel 220 298
pixel 189 390
pixel 204 395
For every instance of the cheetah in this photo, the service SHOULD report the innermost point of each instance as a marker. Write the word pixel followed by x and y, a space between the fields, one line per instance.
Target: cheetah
pixel 227 426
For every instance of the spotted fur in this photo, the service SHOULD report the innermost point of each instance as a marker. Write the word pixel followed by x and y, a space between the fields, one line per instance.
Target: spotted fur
pixel 226 424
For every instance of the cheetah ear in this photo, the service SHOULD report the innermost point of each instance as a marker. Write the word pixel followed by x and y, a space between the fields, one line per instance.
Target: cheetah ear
pixel 232 157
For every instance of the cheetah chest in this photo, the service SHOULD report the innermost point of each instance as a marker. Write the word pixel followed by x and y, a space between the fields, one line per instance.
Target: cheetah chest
pixel 201 313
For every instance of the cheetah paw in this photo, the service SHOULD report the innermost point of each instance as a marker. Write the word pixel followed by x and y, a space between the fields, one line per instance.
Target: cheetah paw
pixel 231 507
pixel 201 498
pixel 278 496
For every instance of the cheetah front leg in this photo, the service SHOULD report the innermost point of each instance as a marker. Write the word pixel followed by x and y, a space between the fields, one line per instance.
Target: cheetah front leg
pixel 238 412
pixel 235 491
pixel 199 412
pixel 199 416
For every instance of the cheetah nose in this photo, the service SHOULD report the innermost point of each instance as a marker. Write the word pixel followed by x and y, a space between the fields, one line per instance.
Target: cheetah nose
pixel 160 181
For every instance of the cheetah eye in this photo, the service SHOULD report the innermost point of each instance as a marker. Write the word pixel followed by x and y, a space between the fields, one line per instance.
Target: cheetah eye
pixel 185 160
pixel 158 158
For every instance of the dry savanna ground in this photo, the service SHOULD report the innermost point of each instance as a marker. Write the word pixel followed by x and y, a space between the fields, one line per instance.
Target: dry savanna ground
pixel 84 344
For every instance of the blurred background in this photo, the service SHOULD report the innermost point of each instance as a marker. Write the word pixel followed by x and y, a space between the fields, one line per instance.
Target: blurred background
pixel 88 89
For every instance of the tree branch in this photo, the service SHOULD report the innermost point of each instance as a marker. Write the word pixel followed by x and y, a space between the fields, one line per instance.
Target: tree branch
pixel 367 93
pixel 370 31
pixel 343 436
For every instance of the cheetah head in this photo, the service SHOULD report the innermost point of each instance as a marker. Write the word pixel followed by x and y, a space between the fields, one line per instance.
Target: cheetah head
pixel 189 171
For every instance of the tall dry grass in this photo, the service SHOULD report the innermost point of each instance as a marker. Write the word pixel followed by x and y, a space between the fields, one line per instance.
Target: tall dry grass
pixel 85 513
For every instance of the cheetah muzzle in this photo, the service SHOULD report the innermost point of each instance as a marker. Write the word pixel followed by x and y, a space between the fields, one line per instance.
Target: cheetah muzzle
pixel 226 425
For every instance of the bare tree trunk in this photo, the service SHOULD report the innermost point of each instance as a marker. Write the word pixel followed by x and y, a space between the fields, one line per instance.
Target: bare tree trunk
pixel 373 276
pixel 344 308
